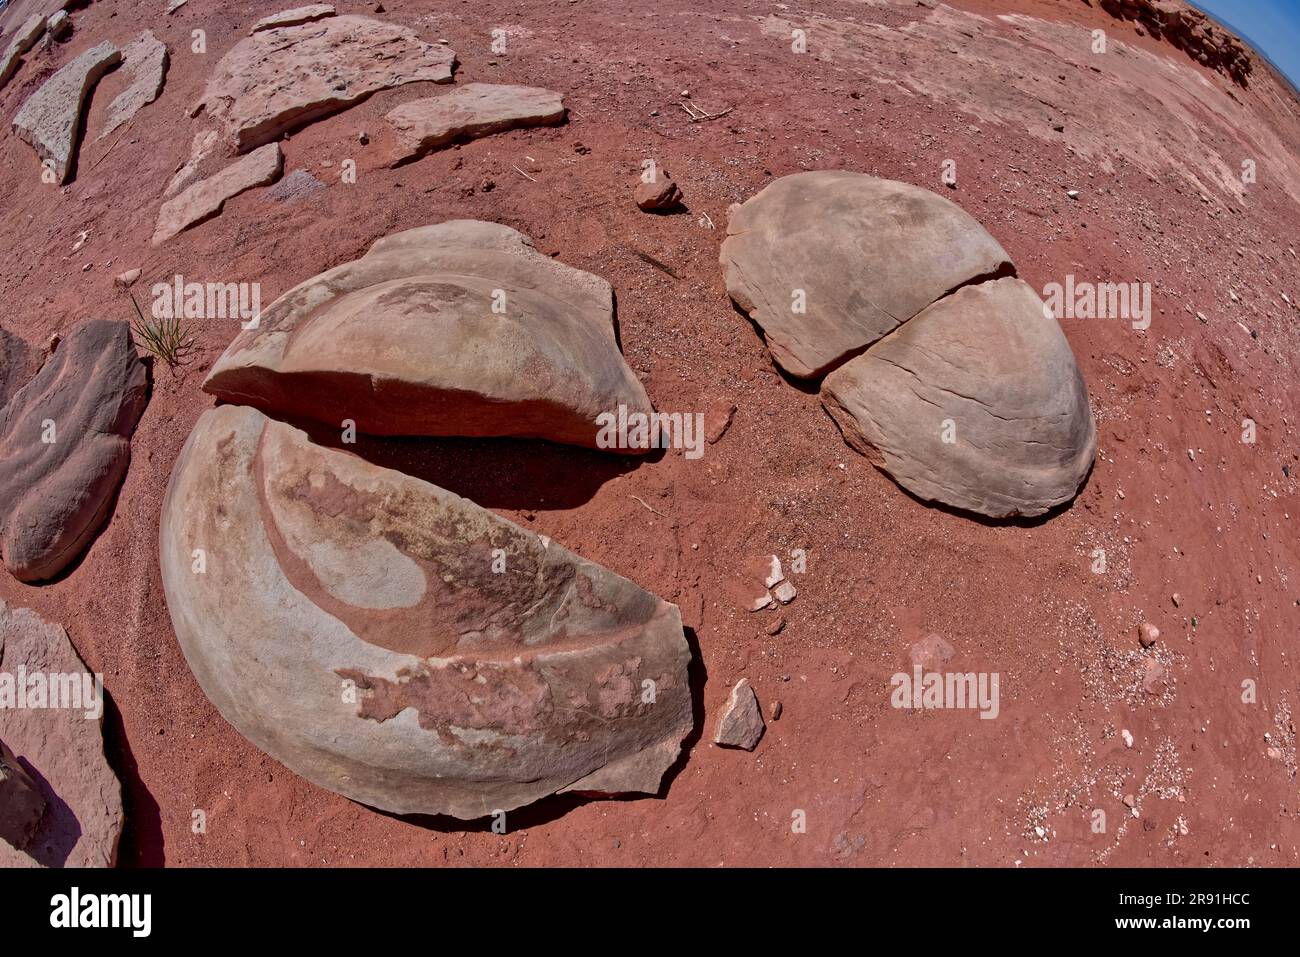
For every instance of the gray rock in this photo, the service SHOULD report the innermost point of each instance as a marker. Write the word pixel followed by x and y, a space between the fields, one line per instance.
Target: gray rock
pixel 297 185
pixel 59 25
pixel 24 38
pixel 291 18
pixel 22 805
pixel 51 118
pixel 402 646
pixel 741 724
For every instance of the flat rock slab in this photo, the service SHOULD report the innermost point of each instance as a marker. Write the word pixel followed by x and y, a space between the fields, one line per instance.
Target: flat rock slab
pixel 468 112
pixel 280 79
pixel 145 61
pixel 976 403
pixel 24 39
pixel 65 441
pixel 61 749
pixel 741 724
pixel 205 199
pixel 291 18
pixel 51 118
pixel 828 262
pixel 462 328
pixel 400 645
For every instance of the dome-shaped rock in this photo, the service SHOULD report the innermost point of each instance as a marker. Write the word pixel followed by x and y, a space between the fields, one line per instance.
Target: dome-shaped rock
pixel 402 646
pixel 462 328
pixel 976 403
pixel 828 262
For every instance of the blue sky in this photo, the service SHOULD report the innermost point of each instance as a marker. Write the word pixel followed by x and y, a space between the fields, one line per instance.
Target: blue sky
pixel 1270 26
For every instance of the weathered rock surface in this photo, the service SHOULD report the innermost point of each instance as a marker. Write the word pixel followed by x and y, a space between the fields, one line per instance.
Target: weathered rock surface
pixel 21 803
pixel 407 340
pixel 351 623
pixel 24 39
pixel 64 749
pixel 990 360
pixel 468 112
pixel 65 441
pixel 658 194
pixel 279 79
pixel 18 363
pixel 205 199
pixel 291 18
pixel 60 25
pixel 1189 30
pixel 51 118
pixel 741 724
pixel 828 262
pixel 145 60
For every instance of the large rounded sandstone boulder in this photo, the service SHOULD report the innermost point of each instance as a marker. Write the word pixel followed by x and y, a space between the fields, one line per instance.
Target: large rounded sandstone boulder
pixel 976 403
pixel 828 262
pixel 457 329
pixel 402 646
pixel 944 369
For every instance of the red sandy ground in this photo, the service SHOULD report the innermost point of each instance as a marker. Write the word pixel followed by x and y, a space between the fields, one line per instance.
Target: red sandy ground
pixel 878 785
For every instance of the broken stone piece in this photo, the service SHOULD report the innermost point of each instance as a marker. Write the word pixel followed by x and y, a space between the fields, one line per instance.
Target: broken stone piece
pixel 65 441
pixel 1148 634
pixel 462 328
pixel 357 628
pixel 207 198
pixel 24 38
pixel 60 25
pixel 784 592
pixel 50 119
pixel 661 193
pixel 291 18
pixel 145 61
pixel 741 724
pixel 468 112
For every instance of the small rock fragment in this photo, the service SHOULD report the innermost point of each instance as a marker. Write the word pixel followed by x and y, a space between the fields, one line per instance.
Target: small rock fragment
pixel 126 278
pixel 206 199
pixel 741 724
pixel 1148 634
pixel 660 193
pixel 1153 677
pixel 784 592
pixel 777 709
pixel 718 419
pixel 1128 738
pixel 59 25
pixel 776 626
pixel 1176 598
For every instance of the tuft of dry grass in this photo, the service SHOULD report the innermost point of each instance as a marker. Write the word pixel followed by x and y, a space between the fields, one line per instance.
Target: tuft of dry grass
pixel 165 339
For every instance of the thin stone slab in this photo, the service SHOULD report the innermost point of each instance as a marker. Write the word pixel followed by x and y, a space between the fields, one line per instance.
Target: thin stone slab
pixel 51 118
pixel 280 79
pixel 291 18
pixel 24 39
pixel 396 643
pixel 467 112
pixel 145 60
pixel 207 198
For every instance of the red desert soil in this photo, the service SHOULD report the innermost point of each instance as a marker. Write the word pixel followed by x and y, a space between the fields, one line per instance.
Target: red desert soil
pixel 1153 142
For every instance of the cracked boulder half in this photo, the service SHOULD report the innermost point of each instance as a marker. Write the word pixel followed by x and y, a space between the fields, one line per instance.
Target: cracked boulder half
pixel 977 403
pixel 828 262
pixel 456 329
pixel 398 644
pixel 945 370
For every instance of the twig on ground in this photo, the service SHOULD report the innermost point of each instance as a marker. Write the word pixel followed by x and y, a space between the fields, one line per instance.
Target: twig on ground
pixel 642 502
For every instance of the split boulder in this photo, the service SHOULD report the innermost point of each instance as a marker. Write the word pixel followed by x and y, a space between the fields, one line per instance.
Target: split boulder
pixel 459 329
pixel 402 646
pixel 50 119
pixel 65 441
pixel 279 79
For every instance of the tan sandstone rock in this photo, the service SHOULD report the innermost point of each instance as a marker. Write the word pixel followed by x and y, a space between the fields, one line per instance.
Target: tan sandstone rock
pixel 402 646
pixel 741 724
pixel 205 199
pixel 51 118
pixel 63 747
pixel 145 61
pixel 23 39
pixel 65 441
pixel 291 18
pixel 977 403
pixel 468 112
pixel 280 79
pixel 406 340
pixel 828 262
